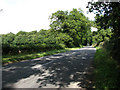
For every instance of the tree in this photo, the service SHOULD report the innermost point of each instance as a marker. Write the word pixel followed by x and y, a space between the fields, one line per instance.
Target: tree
pixel 107 14
pixel 73 23
pixel 101 36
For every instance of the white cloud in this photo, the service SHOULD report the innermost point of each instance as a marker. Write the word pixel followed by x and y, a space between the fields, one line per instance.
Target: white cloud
pixel 31 15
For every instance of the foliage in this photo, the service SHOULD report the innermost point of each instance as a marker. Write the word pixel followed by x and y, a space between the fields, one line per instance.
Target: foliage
pixel 101 36
pixel 107 16
pixel 106 70
pixel 74 23
pixel 29 42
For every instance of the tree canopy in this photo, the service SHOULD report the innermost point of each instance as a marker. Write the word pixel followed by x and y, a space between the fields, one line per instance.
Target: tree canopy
pixel 74 23
pixel 107 16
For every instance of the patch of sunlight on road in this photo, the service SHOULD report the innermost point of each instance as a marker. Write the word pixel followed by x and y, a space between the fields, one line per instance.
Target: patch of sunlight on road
pixel 83 58
pixel 26 82
pixel 74 85
pixel 56 57
pixel 50 86
pixel 88 48
pixel 36 66
pixel 47 58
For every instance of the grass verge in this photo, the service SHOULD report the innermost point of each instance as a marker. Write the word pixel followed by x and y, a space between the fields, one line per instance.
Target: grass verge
pixel 106 70
pixel 19 57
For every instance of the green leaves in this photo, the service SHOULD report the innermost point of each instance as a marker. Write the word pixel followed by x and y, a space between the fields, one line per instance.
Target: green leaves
pixel 73 23
pixel 108 16
pixel 101 36
pixel 68 29
pixel 8 38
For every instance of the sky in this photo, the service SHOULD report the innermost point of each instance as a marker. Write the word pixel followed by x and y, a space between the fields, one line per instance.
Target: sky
pixel 30 15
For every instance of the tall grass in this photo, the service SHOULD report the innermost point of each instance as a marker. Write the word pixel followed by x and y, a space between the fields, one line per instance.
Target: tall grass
pixel 106 70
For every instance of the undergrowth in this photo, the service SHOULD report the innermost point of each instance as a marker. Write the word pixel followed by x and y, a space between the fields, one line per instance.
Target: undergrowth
pixel 106 70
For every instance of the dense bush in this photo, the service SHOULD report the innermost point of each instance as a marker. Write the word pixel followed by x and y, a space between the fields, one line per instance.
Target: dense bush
pixel 22 43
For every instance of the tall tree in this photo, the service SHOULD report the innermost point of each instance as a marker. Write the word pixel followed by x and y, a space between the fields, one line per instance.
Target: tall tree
pixel 74 23
pixel 108 16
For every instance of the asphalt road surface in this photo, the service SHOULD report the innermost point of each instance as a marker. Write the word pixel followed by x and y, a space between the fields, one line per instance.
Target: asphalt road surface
pixel 63 70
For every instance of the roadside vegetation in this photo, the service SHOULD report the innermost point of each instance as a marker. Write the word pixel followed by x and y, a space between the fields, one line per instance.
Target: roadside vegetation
pixel 26 56
pixel 108 17
pixel 107 58
pixel 106 70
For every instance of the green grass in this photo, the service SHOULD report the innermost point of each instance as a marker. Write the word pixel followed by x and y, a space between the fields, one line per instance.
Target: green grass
pixel 106 70
pixel 24 56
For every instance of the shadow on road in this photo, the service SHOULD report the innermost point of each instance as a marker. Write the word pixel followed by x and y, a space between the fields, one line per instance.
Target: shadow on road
pixel 61 70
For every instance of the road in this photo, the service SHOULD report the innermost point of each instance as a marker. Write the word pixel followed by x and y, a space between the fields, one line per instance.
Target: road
pixel 63 70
